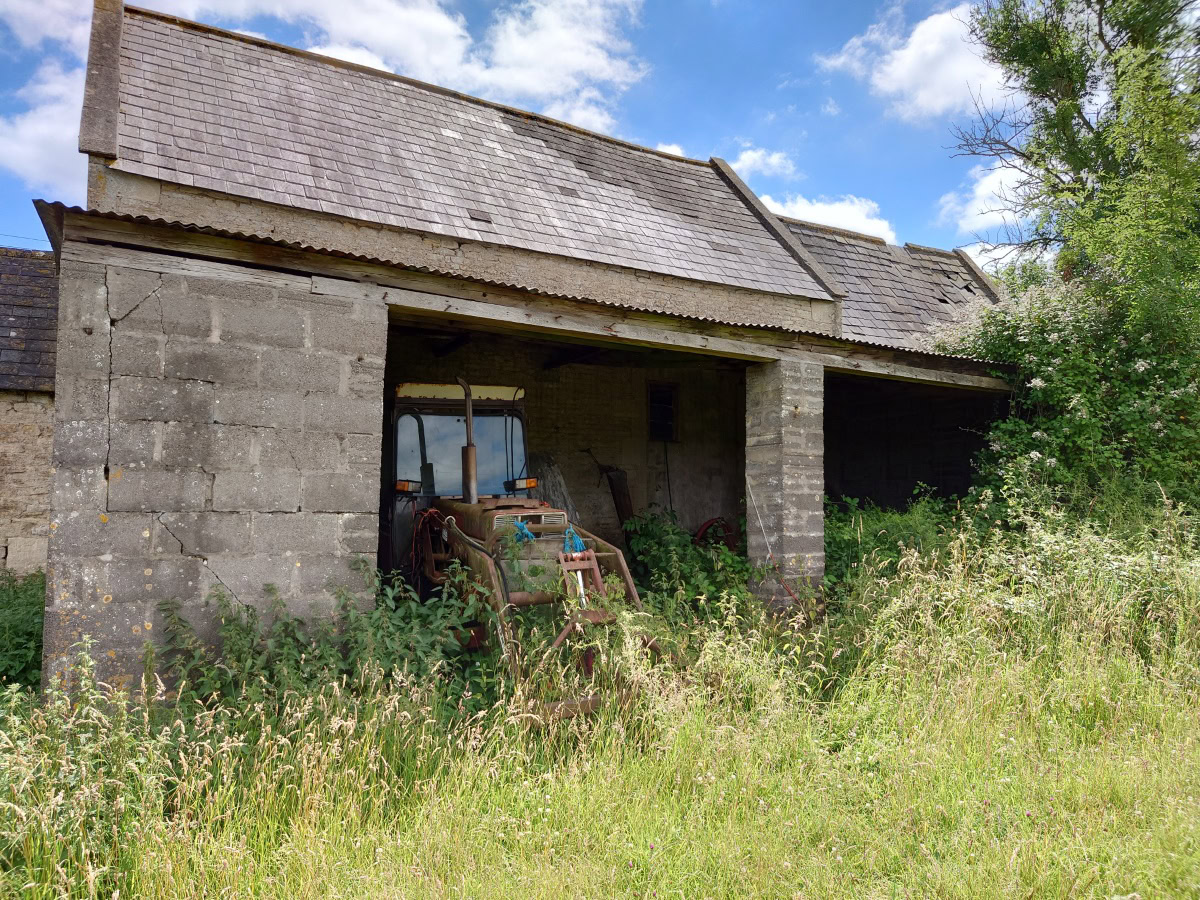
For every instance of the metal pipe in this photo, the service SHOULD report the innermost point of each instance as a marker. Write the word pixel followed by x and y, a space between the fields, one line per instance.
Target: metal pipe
pixel 469 471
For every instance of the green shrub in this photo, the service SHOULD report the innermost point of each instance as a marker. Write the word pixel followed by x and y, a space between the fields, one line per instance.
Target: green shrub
pixel 22 608
pixel 678 578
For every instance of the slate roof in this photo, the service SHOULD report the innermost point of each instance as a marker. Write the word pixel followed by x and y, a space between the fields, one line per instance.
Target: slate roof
pixel 28 319
pixel 222 111
pixel 895 295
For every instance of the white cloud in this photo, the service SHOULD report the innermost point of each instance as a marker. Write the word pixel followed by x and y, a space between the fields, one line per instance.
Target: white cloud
pixel 980 206
pixel 830 107
pixel 674 149
pixel 849 212
pixel 41 145
pixel 757 161
pixel 358 55
pixel 928 72
pixel 568 58
pixel 32 24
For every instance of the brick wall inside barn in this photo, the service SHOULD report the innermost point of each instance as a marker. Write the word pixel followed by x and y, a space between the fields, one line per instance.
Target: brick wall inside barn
pixel 575 407
pixel 215 426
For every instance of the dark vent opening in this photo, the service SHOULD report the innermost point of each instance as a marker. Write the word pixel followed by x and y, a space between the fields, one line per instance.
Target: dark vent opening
pixel 661 401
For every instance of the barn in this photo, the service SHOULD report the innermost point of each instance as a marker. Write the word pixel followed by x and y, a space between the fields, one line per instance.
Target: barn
pixel 274 242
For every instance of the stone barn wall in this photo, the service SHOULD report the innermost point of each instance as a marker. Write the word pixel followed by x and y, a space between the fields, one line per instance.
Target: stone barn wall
pixel 216 426
pixel 571 408
pixel 26 434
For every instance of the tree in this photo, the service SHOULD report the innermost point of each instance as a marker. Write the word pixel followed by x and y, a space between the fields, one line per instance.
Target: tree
pixel 1066 63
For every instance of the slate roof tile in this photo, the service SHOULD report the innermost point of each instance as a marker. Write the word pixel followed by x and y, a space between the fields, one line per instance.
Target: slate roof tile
pixel 306 132
pixel 896 295
pixel 28 319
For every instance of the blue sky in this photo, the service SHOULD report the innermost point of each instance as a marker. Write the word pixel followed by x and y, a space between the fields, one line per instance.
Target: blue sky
pixel 839 113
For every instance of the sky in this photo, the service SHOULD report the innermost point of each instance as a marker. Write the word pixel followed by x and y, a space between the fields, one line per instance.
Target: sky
pixel 838 113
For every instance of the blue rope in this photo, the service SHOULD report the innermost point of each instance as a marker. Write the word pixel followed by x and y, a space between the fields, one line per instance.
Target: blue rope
pixel 523 533
pixel 572 543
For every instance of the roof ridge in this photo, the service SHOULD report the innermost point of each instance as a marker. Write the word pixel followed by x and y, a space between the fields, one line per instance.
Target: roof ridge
pixel 404 79
pixel 821 226
pixel 26 251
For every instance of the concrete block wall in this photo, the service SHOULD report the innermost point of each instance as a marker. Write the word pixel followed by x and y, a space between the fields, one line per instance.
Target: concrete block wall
pixel 785 468
pixel 26 434
pixel 216 426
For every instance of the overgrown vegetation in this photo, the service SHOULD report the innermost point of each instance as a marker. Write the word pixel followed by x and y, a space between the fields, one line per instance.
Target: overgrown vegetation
pixel 1103 328
pixel 22 607
pixel 1016 714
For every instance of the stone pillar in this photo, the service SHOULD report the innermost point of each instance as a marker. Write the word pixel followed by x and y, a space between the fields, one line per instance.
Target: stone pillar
pixel 785 474
pixel 214 431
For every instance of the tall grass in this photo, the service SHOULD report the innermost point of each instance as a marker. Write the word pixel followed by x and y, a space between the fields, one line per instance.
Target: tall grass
pixel 1014 715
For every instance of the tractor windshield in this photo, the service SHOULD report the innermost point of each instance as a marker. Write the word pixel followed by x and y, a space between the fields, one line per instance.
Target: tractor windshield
pixel 429 451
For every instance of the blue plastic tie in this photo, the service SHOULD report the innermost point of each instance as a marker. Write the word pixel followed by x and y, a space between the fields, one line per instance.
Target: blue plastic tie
pixel 572 543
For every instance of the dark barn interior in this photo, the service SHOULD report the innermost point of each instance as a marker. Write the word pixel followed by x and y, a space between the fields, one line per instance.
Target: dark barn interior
pixel 674 423
pixel 884 438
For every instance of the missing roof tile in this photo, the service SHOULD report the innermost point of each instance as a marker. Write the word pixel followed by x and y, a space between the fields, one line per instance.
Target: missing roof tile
pixel 568 191
pixel 479 215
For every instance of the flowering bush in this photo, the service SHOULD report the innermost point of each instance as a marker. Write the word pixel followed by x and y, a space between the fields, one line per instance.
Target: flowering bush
pixel 1098 392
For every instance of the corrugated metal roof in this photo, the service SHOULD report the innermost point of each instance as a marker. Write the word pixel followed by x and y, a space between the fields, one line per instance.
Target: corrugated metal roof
pixel 47 207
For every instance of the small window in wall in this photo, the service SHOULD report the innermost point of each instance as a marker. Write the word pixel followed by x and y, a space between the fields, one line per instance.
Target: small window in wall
pixel 662 403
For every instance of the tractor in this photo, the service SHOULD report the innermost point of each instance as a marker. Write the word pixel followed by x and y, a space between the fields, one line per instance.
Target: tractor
pixel 463 492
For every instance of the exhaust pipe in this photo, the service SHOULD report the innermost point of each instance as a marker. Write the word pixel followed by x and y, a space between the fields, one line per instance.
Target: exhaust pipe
pixel 469 473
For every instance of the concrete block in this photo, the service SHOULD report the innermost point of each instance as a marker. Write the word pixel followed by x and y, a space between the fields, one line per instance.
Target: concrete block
pixel 331 412
pixel 161 491
pixel 129 288
pixel 292 533
pixel 301 371
pixel 258 491
pixel 133 444
pixel 95 533
pixel 80 444
pixel 137 354
pixel 202 534
pixel 308 451
pixel 246 576
pixel 26 554
pixel 82 351
pixel 159 400
pixel 80 399
pixel 210 447
pixel 319 576
pixel 221 364
pixel 268 325
pixel 250 406
pixel 346 335
pixel 363 452
pixel 79 489
pixel 352 492
pixel 365 377
pixel 359 533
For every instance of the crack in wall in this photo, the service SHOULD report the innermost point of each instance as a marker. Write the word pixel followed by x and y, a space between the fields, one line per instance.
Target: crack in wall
pixel 112 323
pixel 203 559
